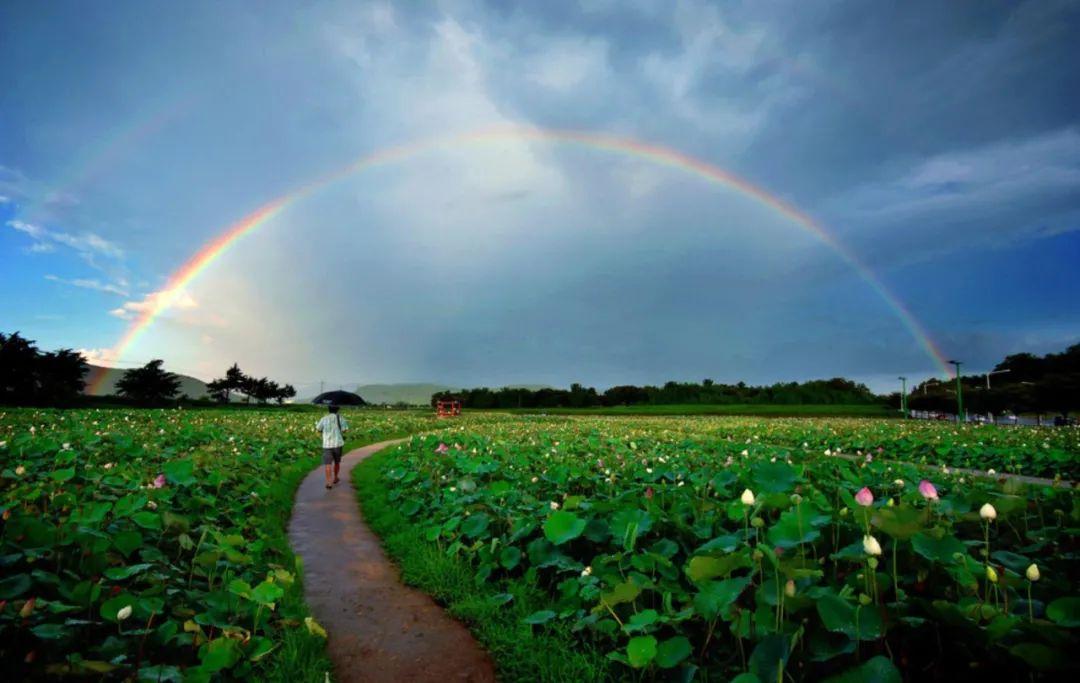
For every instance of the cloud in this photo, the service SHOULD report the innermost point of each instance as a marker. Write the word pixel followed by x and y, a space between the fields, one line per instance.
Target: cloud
pixel 996 194
pixel 108 287
pixel 5 199
pixel 86 243
pixel 103 357
pixel 155 302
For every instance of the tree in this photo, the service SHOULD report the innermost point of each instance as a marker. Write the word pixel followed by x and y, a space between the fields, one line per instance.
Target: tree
pixel 149 385
pixel 284 393
pixel 60 376
pixel 219 390
pixel 18 360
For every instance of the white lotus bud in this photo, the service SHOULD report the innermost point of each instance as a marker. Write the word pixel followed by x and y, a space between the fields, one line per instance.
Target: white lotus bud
pixel 988 512
pixel 871 545
pixel 1032 573
pixel 123 613
pixel 747 497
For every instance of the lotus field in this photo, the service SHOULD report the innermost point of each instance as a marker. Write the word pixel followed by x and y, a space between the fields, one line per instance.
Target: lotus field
pixel 765 550
pixel 150 545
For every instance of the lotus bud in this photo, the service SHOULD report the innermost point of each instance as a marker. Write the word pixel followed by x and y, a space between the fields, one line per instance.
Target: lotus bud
pixel 796 499
pixel 758 556
pixel 991 574
pixel 864 497
pixel 123 613
pixel 927 490
pixel 871 545
pixel 1032 573
pixel 843 512
pixel 20 470
pixel 872 562
pixel 789 588
pixel 988 512
pixel 747 497
pixel 891 503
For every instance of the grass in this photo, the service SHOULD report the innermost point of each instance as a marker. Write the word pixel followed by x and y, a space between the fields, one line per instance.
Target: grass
pixel 521 652
pixel 765 410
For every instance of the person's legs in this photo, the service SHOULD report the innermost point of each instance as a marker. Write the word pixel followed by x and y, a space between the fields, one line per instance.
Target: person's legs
pixel 337 464
pixel 328 460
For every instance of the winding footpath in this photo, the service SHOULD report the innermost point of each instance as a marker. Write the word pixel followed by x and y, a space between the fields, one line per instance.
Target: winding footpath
pixel 380 629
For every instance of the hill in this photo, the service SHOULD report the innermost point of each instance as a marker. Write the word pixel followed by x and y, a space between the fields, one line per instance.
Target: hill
pixel 192 387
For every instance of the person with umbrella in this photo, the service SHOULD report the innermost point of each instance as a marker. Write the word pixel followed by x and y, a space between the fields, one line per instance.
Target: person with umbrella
pixel 333 430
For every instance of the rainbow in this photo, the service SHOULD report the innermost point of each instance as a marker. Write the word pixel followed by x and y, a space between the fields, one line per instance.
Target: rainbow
pixel 656 154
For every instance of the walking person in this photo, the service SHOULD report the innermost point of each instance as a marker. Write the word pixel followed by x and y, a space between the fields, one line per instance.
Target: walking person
pixel 333 430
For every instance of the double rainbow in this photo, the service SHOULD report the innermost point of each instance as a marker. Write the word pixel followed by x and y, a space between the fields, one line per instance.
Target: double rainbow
pixel 656 154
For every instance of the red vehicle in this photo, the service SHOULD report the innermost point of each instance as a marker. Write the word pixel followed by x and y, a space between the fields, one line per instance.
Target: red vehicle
pixel 448 408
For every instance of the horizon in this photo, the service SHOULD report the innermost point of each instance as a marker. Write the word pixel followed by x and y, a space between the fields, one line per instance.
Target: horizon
pixel 597 192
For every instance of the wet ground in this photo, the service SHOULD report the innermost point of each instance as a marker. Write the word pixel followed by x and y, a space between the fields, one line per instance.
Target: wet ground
pixel 380 629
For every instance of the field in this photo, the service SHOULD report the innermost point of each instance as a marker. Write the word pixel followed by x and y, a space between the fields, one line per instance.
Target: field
pixel 771 410
pixel 150 545
pixel 140 544
pixel 595 549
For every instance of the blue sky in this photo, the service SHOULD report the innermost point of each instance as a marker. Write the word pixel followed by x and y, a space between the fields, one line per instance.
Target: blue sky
pixel 939 141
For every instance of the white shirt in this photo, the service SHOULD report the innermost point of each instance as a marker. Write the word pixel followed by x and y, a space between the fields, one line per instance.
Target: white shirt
pixel 331 435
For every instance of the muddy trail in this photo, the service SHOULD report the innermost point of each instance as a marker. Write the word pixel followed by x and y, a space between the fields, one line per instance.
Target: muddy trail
pixel 379 629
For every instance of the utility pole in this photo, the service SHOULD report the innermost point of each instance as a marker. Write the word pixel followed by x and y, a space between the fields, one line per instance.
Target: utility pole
pixel 903 396
pixel 994 372
pixel 959 393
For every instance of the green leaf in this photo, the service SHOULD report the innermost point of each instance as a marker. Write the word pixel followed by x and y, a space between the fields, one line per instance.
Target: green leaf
pixel 14 586
pixel 181 472
pixel 840 616
pixel 63 475
pixel 147 520
pixel 774 477
pixel 160 673
pixel 110 607
pixel 119 573
pixel 794 528
pixel 475 525
pixel 1064 611
pixel 672 651
pixel 939 550
pixel 641 650
pixel 901 522
pixel 129 504
pixel 563 526
pixel 1039 656
pixel 769 655
pixel 627 591
pixel 220 653
pixel 267 593
pixel 50 631
pixel 715 597
pixel 127 541
pixel 510 557
pixel 875 670
pixel 541 617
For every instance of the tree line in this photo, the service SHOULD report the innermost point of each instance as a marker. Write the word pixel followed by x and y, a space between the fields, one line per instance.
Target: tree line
pixel 827 391
pixel 1021 383
pixel 259 388
pixel 29 376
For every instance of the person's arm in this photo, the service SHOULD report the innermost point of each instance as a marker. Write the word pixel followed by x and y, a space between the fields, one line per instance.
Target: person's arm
pixel 319 425
pixel 344 425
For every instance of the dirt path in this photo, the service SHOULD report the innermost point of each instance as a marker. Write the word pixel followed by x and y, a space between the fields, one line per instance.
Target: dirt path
pixel 380 629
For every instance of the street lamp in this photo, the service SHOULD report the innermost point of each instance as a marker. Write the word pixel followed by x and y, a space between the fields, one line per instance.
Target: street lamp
pixel 959 393
pixel 903 395
pixel 994 372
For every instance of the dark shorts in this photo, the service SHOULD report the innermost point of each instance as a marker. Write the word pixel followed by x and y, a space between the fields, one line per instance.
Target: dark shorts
pixel 331 455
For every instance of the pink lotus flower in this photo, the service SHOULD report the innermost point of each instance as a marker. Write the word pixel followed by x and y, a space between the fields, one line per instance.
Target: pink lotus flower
pixel 864 497
pixel 648 493
pixel 159 482
pixel 442 448
pixel 927 490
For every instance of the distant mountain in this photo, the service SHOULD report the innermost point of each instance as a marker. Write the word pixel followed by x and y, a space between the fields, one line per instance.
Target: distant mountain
pixel 194 388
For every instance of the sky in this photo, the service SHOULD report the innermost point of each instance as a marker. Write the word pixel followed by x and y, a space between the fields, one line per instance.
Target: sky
pixel 937 143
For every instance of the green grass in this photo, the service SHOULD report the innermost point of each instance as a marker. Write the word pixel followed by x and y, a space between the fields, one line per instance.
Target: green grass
pixel 521 652
pixel 766 410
